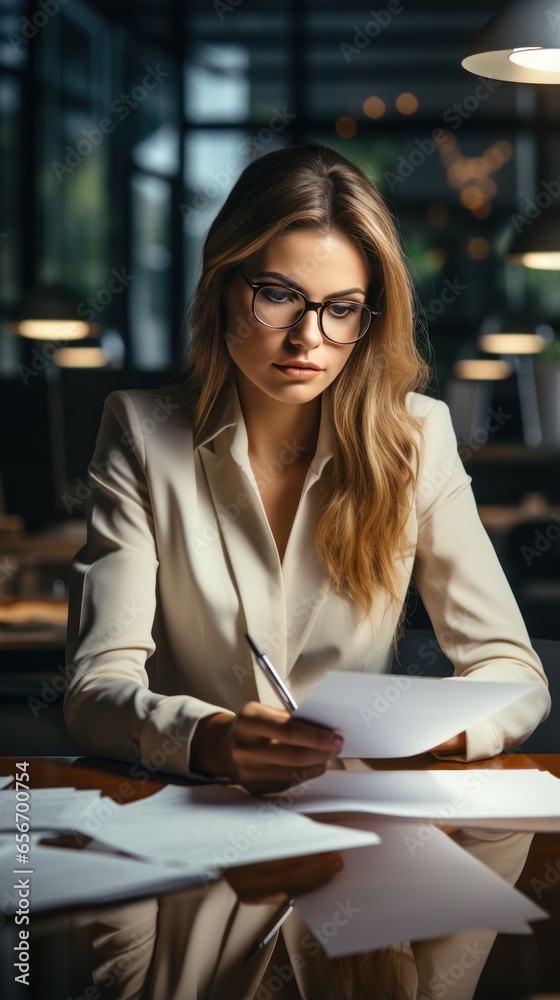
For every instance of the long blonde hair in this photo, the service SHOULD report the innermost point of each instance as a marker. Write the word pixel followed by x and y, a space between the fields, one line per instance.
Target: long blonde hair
pixel 361 530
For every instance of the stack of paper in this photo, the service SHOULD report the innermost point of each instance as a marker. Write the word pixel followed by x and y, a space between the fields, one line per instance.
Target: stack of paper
pixel 61 809
pixel 205 829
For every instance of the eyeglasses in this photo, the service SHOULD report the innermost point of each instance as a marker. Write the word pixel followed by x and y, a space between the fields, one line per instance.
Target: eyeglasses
pixel 279 307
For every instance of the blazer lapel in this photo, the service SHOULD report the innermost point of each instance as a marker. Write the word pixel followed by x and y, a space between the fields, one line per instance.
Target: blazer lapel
pixel 250 548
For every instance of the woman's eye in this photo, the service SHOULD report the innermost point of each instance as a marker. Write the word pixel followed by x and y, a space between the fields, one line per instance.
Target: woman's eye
pixel 340 310
pixel 277 295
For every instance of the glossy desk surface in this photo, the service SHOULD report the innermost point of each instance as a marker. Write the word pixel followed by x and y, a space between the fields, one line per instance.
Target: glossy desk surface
pixel 69 961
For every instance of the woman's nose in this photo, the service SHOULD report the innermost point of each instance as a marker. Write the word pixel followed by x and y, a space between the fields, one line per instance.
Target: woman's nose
pixel 307 331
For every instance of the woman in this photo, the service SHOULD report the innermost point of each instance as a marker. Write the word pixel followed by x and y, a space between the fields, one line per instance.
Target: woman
pixel 288 487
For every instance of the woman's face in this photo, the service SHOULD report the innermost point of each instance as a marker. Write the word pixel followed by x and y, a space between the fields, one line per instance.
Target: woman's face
pixel 273 361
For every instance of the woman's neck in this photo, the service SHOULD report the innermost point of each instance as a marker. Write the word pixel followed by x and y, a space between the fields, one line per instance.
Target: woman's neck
pixel 272 425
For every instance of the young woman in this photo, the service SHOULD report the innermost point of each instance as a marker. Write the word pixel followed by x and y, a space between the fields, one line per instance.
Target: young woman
pixel 288 486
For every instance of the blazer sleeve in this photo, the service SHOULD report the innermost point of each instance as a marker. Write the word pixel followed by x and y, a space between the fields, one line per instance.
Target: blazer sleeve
pixel 467 596
pixel 108 706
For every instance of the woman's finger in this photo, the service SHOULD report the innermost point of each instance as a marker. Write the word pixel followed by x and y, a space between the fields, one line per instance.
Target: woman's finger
pixel 278 724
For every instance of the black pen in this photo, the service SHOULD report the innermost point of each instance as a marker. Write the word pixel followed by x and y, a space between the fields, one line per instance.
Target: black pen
pixel 272 675
pixel 278 921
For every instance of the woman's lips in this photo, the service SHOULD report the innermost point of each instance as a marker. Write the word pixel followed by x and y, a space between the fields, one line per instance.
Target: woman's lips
pixel 299 372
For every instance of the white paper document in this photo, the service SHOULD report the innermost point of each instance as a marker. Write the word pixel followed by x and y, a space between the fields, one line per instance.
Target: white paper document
pixel 209 828
pixel 409 890
pixel 62 877
pixel 5 780
pixel 477 797
pixel 390 715
pixel 60 809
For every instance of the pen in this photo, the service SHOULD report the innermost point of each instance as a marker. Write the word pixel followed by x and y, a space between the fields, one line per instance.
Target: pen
pixel 271 674
pixel 278 921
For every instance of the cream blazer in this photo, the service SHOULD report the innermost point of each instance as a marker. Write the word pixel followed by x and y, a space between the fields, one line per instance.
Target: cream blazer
pixel 180 562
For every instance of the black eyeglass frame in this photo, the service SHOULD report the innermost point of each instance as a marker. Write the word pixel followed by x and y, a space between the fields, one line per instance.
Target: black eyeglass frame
pixel 318 307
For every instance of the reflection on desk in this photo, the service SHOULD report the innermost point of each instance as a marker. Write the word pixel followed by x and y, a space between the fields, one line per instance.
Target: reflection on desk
pixel 191 944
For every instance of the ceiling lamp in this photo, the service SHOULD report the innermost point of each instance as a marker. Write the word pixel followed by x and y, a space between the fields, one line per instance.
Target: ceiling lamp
pixel 520 44
pixel 538 243
pixel 85 354
pixel 482 369
pixel 51 312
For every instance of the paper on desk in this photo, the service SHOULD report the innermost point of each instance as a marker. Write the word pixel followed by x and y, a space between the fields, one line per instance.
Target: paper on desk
pixel 397 893
pixel 390 715
pixel 64 877
pixel 5 780
pixel 209 828
pixel 56 809
pixel 481 797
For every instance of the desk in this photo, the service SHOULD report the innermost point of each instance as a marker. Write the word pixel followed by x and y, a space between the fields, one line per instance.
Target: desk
pixel 517 968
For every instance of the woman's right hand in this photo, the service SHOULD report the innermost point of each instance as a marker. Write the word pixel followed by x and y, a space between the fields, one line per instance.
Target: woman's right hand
pixel 262 748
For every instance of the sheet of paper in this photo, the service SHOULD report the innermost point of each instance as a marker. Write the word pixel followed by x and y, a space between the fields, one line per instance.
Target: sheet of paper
pixel 481 797
pixel 406 889
pixel 5 780
pixel 387 715
pixel 55 808
pixel 63 877
pixel 209 828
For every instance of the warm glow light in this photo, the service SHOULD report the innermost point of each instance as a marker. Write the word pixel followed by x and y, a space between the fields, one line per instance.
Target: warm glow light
pixel 481 369
pixel 534 57
pixel 483 211
pixel 81 357
pixel 478 248
pixel 52 329
pixel 438 214
pixel 374 107
pixel 345 127
pixel 505 148
pixel 437 256
pixel 472 197
pixel 511 343
pixel 488 187
pixel 478 167
pixel 543 261
pixel 406 103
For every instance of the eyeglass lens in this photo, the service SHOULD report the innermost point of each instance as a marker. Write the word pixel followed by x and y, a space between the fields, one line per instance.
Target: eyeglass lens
pixel 343 321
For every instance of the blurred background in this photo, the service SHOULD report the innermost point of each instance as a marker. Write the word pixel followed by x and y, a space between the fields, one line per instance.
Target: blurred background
pixel 124 125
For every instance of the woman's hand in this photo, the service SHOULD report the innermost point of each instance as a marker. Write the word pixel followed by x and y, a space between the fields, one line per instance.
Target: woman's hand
pixel 262 748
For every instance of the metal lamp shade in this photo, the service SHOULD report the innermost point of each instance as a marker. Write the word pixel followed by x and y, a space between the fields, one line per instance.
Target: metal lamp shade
pixel 523 24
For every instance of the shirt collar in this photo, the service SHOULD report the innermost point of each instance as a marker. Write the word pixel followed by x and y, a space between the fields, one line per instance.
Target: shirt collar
pixel 230 430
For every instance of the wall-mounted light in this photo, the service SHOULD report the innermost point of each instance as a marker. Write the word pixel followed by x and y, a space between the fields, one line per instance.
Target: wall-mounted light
pixel 520 44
